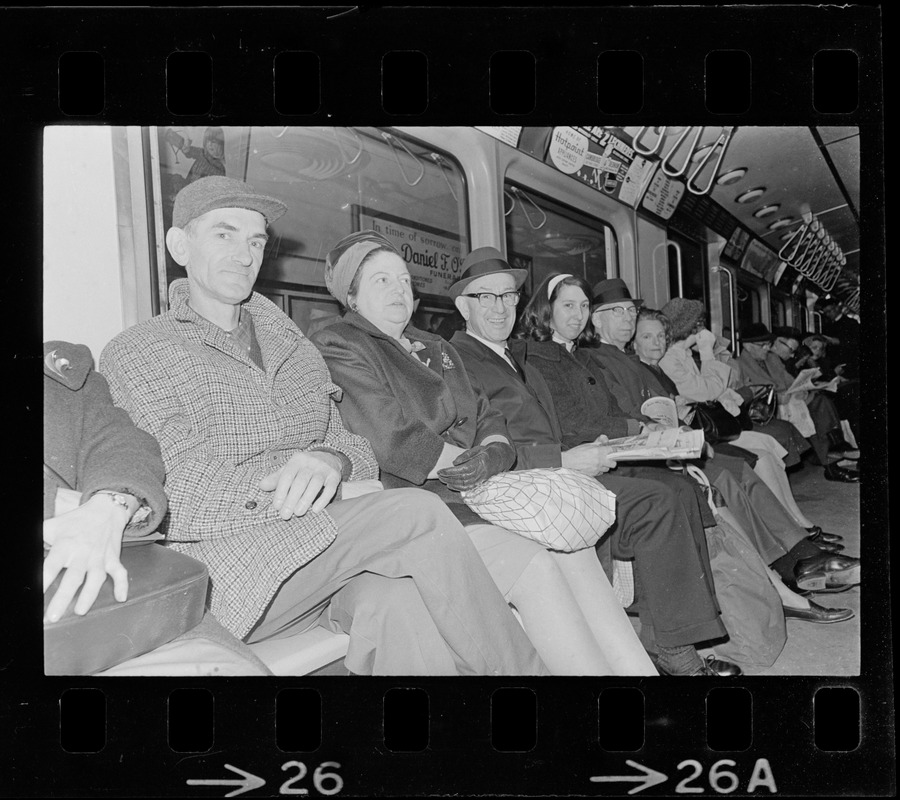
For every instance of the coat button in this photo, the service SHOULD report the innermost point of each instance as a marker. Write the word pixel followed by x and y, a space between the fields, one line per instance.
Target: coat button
pixel 250 505
pixel 592 381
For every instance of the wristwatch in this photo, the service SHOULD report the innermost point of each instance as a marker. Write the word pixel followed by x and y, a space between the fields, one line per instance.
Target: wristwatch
pixel 122 499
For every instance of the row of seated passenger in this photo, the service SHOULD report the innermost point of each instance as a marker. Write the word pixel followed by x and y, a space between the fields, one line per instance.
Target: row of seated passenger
pixel 259 439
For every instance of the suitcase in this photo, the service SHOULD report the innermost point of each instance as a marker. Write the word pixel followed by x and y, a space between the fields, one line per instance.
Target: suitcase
pixel 166 597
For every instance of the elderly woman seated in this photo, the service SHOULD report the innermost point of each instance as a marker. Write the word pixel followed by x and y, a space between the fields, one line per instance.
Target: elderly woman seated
pixel 407 392
pixel 777 444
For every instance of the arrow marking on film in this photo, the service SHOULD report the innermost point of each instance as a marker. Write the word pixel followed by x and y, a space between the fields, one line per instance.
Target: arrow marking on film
pixel 246 783
pixel 650 777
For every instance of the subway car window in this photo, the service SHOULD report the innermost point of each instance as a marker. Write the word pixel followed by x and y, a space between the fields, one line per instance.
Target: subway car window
pixel 688 275
pixel 778 309
pixel 544 236
pixel 335 181
pixel 749 306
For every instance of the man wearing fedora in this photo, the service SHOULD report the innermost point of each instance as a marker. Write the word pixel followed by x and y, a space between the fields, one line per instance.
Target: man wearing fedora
pixel 759 364
pixel 651 528
pixel 614 317
pixel 257 460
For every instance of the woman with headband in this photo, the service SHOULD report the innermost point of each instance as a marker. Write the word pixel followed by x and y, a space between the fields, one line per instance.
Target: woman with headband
pixel 556 327
pixel 407 392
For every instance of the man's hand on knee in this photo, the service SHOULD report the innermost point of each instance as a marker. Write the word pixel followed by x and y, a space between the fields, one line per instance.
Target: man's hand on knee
pixel 307 482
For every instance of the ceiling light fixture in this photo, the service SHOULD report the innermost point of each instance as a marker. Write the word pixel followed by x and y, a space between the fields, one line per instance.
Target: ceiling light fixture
pixel 750 195
pixel 765 211
pixel 731 176
pixel 780 223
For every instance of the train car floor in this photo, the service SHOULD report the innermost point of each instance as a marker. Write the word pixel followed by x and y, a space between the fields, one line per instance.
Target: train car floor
pixel 815 649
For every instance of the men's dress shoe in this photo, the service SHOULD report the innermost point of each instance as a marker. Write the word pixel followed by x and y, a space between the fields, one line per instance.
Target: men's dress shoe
pixel 817 613
pixel 817 535
pixel 823 573
pixel 827 547
pixel 724 669
pixel 840 474
pixel 710 667
pixel 851 455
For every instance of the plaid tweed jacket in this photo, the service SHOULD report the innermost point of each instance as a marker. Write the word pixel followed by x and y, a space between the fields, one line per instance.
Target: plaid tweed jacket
pixel 223 424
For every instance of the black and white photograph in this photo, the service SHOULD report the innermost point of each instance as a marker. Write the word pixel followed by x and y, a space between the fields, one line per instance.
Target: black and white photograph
pixel 371 451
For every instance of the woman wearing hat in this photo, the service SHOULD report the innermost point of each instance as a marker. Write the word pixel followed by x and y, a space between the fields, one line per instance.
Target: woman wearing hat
pixel 408 393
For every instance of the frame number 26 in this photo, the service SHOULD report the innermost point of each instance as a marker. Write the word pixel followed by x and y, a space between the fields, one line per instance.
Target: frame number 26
pixel 324 779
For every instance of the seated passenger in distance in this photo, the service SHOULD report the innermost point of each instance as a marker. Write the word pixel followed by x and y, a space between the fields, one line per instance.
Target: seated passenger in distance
pixel 102 477
pixel 256 456
pixel 758 364
pixel 405 390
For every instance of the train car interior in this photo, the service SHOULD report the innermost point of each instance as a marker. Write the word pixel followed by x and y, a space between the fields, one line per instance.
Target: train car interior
pixel 759 224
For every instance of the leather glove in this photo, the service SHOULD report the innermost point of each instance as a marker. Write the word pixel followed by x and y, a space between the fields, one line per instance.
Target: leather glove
pixel 476 465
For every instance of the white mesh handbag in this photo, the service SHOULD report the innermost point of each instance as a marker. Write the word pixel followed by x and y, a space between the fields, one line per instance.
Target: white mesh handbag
pixel 558 508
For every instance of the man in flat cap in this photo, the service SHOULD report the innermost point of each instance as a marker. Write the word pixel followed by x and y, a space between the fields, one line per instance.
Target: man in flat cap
pixel 257 457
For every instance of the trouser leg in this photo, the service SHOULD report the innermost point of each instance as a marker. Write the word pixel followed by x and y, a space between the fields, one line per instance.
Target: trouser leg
pixel 654 529
pixel 752 503
pixel 825 417
pixel 690 499
pixel 391 631
pixel 409 533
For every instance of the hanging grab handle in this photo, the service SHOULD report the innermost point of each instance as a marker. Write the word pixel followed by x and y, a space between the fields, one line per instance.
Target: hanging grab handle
pixel 438 159
pixel 393 141
pixel 348 161
pixel 525 197
pixel 649 151
pixel 512 203
pixel 722 141
pixel 667 167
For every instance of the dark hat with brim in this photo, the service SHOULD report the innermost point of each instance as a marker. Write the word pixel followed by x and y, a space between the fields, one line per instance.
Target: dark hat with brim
pixel 215 191
pixel 484 261
pixel 612 290
pixel 755 333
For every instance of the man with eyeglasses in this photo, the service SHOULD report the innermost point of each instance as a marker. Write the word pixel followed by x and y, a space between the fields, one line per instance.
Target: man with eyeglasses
pixel 653 527
pixel 614 317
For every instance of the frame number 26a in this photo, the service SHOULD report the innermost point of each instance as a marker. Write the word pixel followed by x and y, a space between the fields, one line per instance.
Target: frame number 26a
pixel 722 779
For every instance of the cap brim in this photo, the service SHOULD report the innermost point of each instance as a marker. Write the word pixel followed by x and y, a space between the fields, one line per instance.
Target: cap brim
pixel 269 207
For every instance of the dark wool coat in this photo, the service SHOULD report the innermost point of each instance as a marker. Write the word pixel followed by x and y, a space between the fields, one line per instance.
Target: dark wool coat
pixel 89 443
pixel 624 378
pixel 223 424
pixel 584 404
pixel 405 409
pixel 527 405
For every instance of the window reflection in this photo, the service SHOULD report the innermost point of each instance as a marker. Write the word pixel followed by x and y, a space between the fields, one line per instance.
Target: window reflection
pixel 335 181
pixel 543 236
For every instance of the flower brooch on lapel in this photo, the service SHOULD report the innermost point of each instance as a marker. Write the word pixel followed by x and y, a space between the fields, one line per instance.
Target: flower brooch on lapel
pixel 446 361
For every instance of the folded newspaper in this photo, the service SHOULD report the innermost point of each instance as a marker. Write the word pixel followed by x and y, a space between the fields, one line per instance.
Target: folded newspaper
pixel 806 382
pixel 661 409
pixel 680 443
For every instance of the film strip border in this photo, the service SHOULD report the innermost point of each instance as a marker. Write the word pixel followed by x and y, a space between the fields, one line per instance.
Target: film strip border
pixel 572 728
pixel 777 65
pixel 579 737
